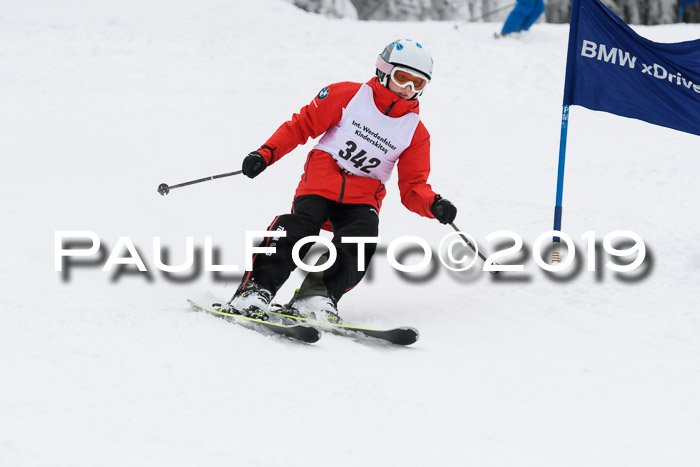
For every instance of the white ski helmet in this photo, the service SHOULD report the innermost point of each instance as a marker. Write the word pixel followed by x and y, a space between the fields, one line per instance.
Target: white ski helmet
pixel 406 53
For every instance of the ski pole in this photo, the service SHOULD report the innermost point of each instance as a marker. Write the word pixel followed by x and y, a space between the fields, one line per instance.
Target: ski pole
pixel 471 245
pixel 484 15
pixel 164 188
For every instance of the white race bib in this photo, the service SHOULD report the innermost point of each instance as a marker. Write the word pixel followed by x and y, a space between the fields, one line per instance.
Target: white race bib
pixel 366 142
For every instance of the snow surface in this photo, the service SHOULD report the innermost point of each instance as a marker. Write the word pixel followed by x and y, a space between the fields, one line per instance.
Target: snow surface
pixel 102 101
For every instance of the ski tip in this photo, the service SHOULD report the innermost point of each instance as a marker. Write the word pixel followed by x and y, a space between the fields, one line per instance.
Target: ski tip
pixel 406 335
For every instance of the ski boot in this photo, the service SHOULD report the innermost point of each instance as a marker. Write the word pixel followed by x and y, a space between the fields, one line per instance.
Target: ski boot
pixel 316 307
pixel 253 301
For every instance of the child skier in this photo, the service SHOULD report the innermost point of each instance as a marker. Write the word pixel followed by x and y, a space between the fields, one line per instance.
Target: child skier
pixel 369 128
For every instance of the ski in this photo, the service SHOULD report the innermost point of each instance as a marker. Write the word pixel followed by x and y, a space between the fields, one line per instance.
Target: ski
pixel 404 335
pixel 303 332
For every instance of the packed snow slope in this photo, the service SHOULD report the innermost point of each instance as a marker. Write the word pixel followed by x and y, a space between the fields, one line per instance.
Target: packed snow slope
pixel 102 101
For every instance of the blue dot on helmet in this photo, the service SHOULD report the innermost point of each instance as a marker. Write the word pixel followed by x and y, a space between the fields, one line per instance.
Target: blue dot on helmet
pixel 399 46
pixel 419 46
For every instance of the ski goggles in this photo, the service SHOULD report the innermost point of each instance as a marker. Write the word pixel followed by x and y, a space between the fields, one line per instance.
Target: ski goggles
pixel 404 77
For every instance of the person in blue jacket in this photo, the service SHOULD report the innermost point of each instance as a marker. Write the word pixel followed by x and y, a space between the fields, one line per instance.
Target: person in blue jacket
pixel 523 16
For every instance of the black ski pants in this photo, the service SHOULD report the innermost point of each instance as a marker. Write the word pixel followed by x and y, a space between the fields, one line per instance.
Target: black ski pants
pixel 308 215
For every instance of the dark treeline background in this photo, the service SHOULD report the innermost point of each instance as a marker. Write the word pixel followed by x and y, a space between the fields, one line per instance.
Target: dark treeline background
pixel 557 11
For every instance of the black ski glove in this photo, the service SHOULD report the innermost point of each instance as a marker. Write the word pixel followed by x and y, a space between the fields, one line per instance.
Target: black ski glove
pixel 443 210
pixel 253 164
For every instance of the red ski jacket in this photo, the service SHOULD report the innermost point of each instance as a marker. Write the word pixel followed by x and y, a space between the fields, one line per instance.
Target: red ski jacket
pixel 322 176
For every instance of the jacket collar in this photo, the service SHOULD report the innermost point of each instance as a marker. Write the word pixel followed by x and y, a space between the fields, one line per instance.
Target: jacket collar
pixel 385 99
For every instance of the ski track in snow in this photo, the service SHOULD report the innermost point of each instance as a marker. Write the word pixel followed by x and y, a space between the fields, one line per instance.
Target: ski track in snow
pixel 103 101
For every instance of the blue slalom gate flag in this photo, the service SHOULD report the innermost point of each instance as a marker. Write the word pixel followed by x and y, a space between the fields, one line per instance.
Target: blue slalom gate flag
pixel 688 2
pixel 611 68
